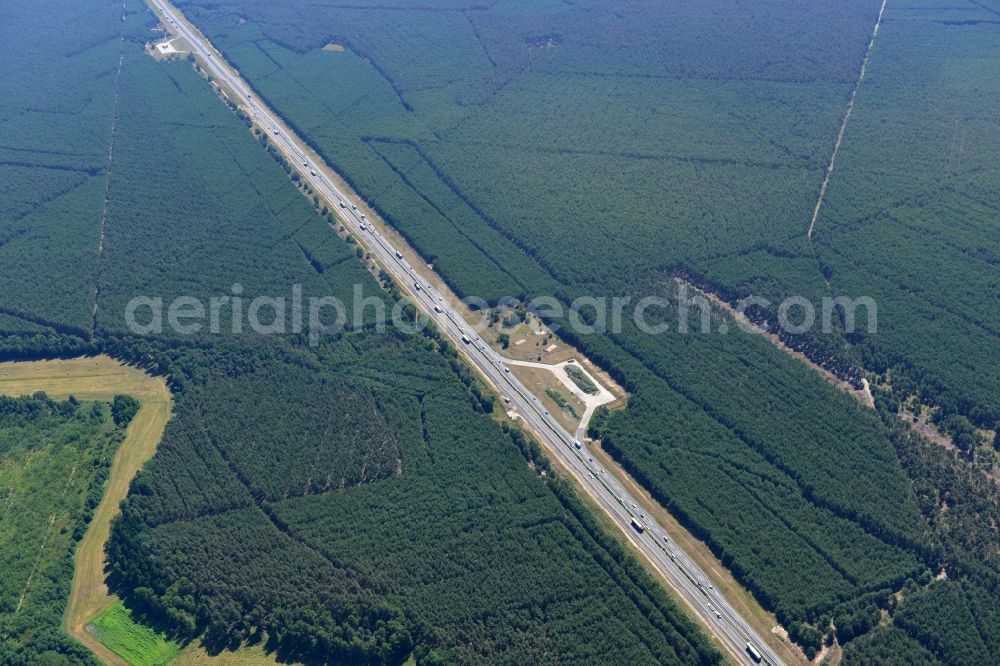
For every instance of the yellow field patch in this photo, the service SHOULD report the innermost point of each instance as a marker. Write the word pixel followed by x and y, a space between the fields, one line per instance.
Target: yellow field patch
pixel 247 655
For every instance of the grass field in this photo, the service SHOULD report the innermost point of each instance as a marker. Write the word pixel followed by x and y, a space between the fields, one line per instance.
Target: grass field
pixel 251 655
pixel 97 378
pixel 137 644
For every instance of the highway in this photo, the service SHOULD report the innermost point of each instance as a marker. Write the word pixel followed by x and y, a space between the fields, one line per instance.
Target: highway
pixel 682 574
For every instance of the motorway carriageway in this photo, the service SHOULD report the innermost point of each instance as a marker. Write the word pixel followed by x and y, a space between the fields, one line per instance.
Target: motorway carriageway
pixel 676 567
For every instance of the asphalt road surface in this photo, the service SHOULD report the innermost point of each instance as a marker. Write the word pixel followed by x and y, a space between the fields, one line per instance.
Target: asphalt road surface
pixel 642 531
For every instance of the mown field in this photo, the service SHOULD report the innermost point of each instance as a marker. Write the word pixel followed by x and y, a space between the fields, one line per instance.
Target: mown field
pixel 475 552
pixel 567 150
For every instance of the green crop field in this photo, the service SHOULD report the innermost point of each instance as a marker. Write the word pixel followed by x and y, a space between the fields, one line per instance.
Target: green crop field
pixel 135 643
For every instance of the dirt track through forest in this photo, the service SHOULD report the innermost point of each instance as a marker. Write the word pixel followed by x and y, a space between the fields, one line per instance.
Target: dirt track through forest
pixel 843 124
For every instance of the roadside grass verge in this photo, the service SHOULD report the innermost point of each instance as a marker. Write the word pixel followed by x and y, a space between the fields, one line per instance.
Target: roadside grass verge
pixel 560 400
